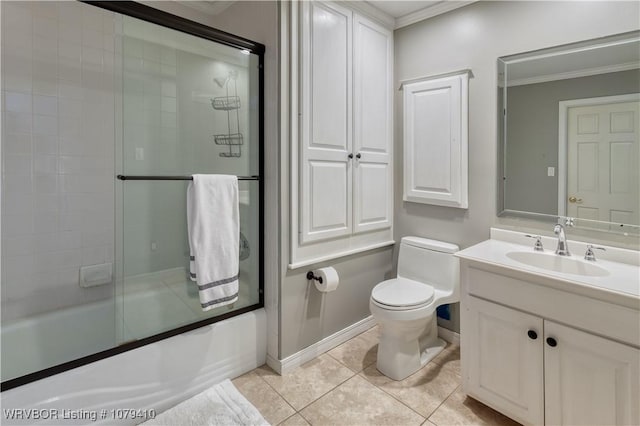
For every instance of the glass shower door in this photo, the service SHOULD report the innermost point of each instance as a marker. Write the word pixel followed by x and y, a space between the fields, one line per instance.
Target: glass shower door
pixel 189 106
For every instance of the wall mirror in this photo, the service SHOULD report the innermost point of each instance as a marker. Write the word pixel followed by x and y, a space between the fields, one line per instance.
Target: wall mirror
pixel 568 128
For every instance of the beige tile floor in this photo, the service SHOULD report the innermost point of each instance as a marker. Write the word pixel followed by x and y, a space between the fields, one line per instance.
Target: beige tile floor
pixel 343 387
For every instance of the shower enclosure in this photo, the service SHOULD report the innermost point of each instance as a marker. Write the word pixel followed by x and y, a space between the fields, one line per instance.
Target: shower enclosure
pixel 108 109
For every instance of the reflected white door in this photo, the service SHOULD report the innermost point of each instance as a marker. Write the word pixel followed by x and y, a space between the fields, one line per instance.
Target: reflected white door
pixel 603 160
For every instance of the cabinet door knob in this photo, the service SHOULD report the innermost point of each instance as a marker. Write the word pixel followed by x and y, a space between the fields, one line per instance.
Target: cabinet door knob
pixel 532 334
pixel 552 342
pixel 350 156
pixel 358 155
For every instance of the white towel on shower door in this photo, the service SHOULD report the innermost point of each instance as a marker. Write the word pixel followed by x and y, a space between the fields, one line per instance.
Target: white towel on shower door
pixel 213 222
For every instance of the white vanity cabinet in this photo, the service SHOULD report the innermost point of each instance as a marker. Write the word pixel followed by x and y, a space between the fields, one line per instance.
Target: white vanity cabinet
pixel 505 365
pixel 538 355
pixel 589 379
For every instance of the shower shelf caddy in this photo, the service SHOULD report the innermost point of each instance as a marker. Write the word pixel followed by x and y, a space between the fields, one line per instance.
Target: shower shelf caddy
pixel 229 103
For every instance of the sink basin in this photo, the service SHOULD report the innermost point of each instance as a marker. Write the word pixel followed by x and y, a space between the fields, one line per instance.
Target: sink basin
pixel 562 264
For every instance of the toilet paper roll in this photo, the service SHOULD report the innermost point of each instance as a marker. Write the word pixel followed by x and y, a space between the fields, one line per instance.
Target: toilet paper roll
pixel 330 279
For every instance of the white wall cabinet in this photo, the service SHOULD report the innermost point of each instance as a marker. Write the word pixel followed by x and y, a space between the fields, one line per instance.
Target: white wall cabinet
pixel 343 173
pixel 536 370
pixel 435 140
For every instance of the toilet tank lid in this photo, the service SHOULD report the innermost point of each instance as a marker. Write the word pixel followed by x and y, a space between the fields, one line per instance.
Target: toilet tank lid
pixel 426 243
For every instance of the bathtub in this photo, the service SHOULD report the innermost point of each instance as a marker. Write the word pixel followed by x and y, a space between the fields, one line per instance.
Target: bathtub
pixel 59 336
pixel 153 377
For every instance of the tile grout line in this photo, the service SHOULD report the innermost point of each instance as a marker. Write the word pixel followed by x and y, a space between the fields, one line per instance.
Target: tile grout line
pixel 333 388
pixel 298 411
pixel 442 403
pixel 277 393
pixel 393 396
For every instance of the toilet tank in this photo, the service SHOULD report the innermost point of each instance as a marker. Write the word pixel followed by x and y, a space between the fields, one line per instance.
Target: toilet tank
pixel 429 261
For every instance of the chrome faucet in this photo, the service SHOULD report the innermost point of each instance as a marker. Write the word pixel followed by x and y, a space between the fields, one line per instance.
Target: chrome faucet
pixel 562 249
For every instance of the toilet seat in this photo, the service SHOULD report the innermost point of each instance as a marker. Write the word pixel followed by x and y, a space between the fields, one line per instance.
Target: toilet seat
pixel 402 294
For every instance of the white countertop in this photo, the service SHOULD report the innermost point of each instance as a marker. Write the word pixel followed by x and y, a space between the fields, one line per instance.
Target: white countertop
pixel 622 281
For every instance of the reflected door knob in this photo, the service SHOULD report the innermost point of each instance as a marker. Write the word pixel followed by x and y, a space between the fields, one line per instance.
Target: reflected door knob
pixel 574 199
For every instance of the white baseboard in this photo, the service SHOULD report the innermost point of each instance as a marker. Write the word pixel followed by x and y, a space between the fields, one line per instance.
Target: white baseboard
pixel 448 335
pixel 292 362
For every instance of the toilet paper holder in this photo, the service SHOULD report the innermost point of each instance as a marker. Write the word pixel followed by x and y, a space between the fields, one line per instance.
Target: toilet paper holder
pixel 311 276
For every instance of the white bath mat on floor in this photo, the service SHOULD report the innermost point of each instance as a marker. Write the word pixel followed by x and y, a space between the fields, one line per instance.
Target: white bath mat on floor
pixel 221 404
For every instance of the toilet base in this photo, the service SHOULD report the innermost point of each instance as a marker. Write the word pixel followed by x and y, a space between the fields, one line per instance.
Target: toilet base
pixel 432 352
pixel 398 358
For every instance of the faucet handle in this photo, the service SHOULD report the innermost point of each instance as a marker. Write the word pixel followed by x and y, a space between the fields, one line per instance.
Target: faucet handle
pixel 538 244
pixel 590 255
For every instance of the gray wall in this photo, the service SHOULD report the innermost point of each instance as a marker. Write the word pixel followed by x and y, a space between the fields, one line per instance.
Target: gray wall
pixel 308 316
pixel 474 37
pixel 532 134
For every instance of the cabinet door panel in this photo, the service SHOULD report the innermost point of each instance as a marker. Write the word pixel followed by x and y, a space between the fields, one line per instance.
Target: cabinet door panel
pixel 590 380
pixel 435 141
pixel 326 84
pixel 504 365
pixel 372 201
pixel 328 183
pixel 373 57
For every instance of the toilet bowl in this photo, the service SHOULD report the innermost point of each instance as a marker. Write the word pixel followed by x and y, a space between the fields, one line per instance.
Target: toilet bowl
pixel 405 306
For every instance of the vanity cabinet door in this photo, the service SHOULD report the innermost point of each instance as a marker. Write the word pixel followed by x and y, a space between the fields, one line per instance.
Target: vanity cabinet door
pixel 504 359
pixel 589 379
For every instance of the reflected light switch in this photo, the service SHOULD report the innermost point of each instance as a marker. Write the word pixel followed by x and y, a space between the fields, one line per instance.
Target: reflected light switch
pixel 551 171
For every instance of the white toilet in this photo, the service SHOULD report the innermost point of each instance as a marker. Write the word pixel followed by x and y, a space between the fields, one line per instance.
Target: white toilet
pixel 405 306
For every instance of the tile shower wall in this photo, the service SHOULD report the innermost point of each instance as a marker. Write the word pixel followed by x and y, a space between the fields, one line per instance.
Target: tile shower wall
pixel 57 153
pixel 154 215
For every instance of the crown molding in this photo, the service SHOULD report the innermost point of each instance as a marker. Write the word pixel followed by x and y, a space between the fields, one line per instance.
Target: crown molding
pixel 575 74
pixel 429 12
pixel 374 13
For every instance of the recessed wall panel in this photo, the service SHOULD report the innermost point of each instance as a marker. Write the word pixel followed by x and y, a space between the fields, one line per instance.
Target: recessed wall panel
pixel 374 115
pixel 587 166
pixel 589 213
pixel 588 124
pixel 329 202
pixel 432 140
pixel 373 182
pixel 620 167
pixel 329 77
pixel 622 122
pixel 620 216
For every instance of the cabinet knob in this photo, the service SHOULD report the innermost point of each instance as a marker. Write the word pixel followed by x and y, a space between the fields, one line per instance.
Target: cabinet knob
pixel 532 334
pixel 552 342
pixel 358 155
pixel 350 156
